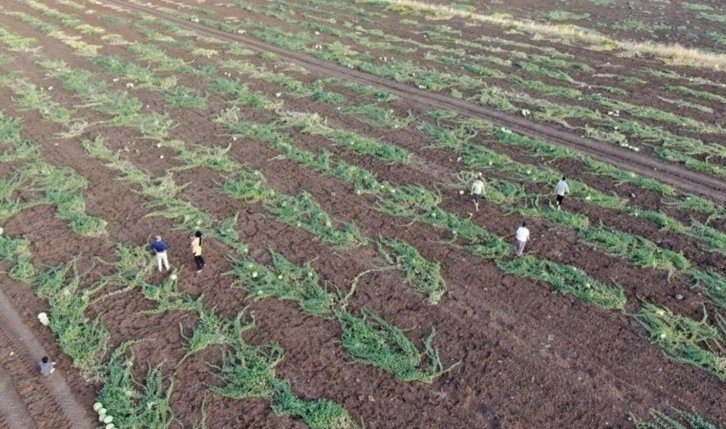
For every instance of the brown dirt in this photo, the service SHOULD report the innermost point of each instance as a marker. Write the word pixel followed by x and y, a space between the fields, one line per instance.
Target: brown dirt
pixel 528 357
pixel 671 174
pixel 661 21
pixel 29 399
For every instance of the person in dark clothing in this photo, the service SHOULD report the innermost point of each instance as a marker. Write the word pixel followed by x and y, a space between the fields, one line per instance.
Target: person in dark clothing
pixel 160 248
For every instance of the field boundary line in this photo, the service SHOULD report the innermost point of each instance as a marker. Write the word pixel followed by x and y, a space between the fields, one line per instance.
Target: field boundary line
pixel 671 174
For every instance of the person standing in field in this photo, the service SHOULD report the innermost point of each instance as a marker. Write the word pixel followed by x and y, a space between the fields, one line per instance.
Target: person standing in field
pixel 196 245
pixel 522 237
pixel 160 248
pixel 560 190
pixel 46 366
pixel 477 190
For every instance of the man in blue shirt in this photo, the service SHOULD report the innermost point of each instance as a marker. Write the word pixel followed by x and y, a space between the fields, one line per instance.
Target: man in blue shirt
pixel 160 248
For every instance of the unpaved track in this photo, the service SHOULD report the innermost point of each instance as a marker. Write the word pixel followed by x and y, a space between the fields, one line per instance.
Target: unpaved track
pixel 671 174
pixel 41 394
pixel 13 413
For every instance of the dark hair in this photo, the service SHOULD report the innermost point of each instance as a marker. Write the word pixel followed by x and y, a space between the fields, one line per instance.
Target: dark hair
pixel 524 223
pixel 563 178
pixel 45 359
pixel 199 235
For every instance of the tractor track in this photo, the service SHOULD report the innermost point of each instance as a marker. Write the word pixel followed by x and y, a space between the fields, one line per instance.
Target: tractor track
pixel 13 413
pixel 21 384
pixel 671 174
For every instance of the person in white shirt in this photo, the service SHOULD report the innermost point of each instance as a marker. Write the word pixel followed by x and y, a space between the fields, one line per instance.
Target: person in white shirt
pixel 522 236
pixel 561 189
pixel 477 190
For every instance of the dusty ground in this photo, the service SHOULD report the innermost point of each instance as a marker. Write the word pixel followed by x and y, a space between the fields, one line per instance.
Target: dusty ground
pixel 528 357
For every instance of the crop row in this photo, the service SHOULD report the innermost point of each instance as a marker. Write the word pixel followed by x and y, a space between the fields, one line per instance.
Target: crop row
pixel 247 371
pixel 420 205
pixel 47 183
pixel 466 129
pixel 368 339
pixel 299 88
pixel 469 53
pixel 225 84
pixel 57 68
pixel 312 124
pixel 671 147
pixel 638 250
pixel 86 341
pixel 300 211
pixel 307 210
pixel 706 277
pixel 165 297
pixel 83 340
pixel 651 22
pixel 357 326
pixel 569 34
pixel 541 148
pixel 393 207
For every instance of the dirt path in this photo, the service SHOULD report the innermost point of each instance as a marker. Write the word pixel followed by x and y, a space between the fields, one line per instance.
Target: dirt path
pixel 670 174
pixel 13 413
pixel 49 400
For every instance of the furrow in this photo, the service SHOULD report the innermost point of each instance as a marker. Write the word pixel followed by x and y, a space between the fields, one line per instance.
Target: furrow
pixel 671 174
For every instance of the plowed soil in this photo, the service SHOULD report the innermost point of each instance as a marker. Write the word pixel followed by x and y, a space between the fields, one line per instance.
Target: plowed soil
pixel 527 357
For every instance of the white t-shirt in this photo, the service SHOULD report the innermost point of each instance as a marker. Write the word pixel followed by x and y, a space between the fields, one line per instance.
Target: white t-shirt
pixel 522 234
pixel 562 188
pixel 477 187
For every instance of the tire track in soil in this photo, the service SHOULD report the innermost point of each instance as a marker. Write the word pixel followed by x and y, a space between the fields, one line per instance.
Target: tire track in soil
pixel 13 413
pixel 44 396
pixel 671 174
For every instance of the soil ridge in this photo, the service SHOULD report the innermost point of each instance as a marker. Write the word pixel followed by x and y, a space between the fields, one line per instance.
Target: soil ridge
pixel 671 174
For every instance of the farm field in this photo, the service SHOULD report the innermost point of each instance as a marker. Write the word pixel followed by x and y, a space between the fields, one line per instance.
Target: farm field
pixel 326 150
